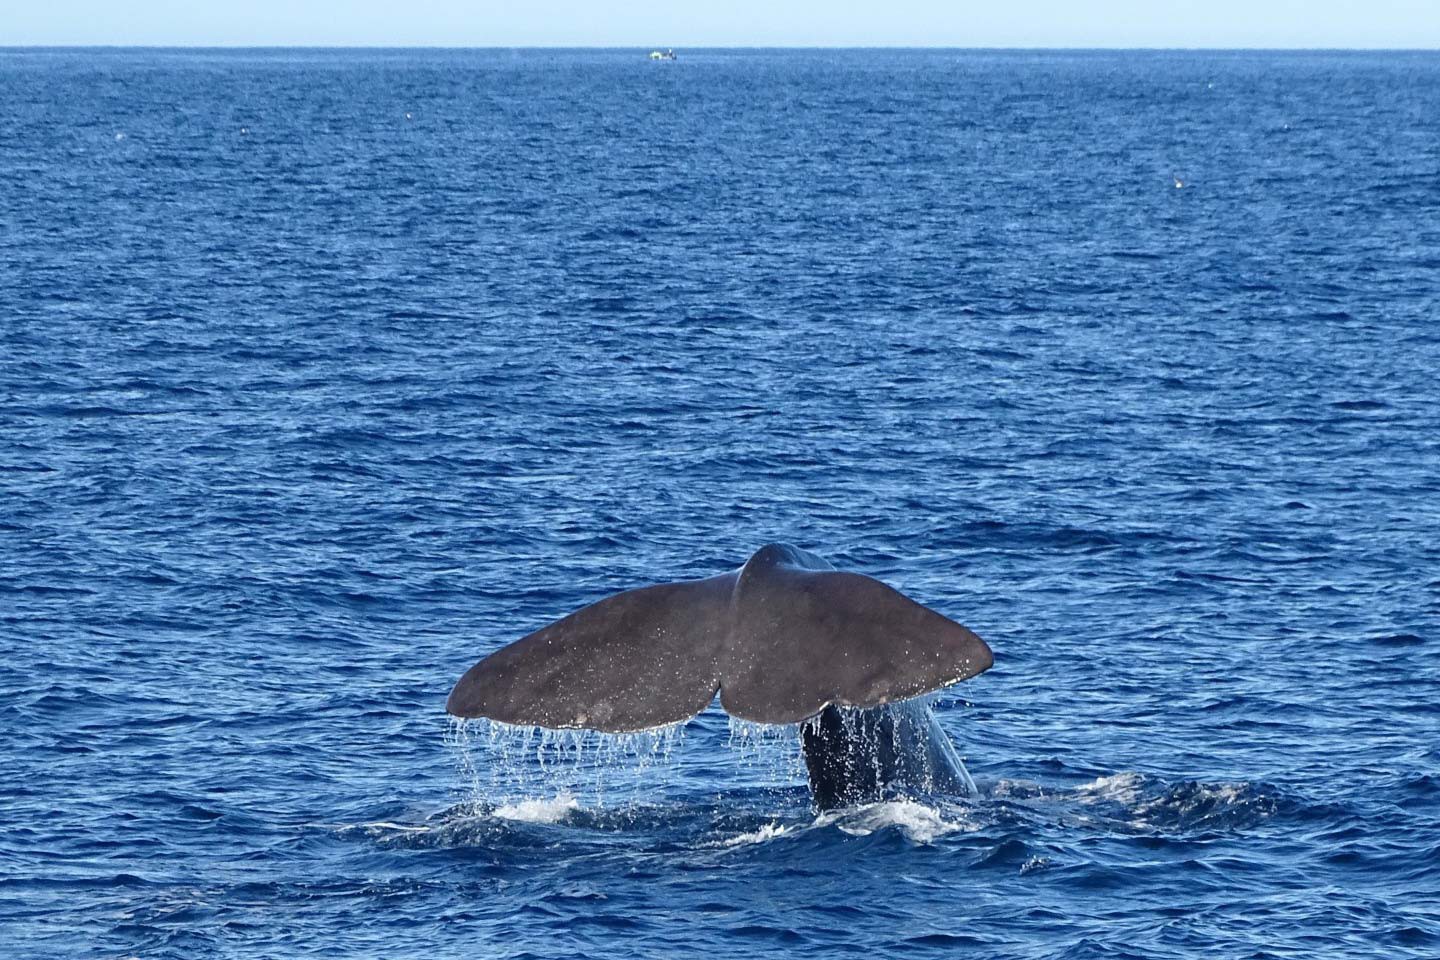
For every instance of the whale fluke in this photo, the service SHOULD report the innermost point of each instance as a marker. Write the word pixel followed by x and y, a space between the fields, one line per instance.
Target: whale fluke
pixel 780 639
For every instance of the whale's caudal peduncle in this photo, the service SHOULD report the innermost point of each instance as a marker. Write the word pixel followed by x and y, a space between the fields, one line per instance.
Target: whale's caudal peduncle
pixel 784 639
pixel 862 754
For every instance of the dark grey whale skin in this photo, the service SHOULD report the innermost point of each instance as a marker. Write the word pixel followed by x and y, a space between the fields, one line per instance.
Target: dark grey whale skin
pixel 781 639
pixel 856 755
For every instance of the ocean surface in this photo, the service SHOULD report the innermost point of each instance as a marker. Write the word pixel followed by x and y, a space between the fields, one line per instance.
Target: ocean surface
pixel 325 373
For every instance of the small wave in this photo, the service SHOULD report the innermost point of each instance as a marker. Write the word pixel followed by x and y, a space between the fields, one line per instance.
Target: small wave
pixel 947 941
pixel 1002 535
pixel 462 827
pixel 1398 640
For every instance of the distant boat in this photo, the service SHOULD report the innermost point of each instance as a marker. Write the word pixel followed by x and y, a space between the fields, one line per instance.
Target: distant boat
pixel 662 54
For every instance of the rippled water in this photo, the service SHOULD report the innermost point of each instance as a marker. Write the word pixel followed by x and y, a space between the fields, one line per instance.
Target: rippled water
pixel 322 374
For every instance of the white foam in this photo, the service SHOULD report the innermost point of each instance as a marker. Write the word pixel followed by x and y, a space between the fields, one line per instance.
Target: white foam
pixel 382 826
pixel 918 822
pixel 1004 789
pixel 539 810
pixel 1226 794
pixel 1119 787
pixel 768 832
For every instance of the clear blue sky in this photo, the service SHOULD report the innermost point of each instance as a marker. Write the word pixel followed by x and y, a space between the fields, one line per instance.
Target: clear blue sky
pixel 1008 23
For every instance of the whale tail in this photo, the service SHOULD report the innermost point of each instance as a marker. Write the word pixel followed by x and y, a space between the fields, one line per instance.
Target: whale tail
pixel 779 639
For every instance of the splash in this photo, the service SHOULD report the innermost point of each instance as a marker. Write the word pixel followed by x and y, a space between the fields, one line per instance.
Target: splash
pixel 502 765
pixel 508 766
pixel 768 755
pixel 539 811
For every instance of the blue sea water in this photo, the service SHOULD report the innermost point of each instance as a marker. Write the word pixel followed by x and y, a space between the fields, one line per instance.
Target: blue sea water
pixel 325 373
